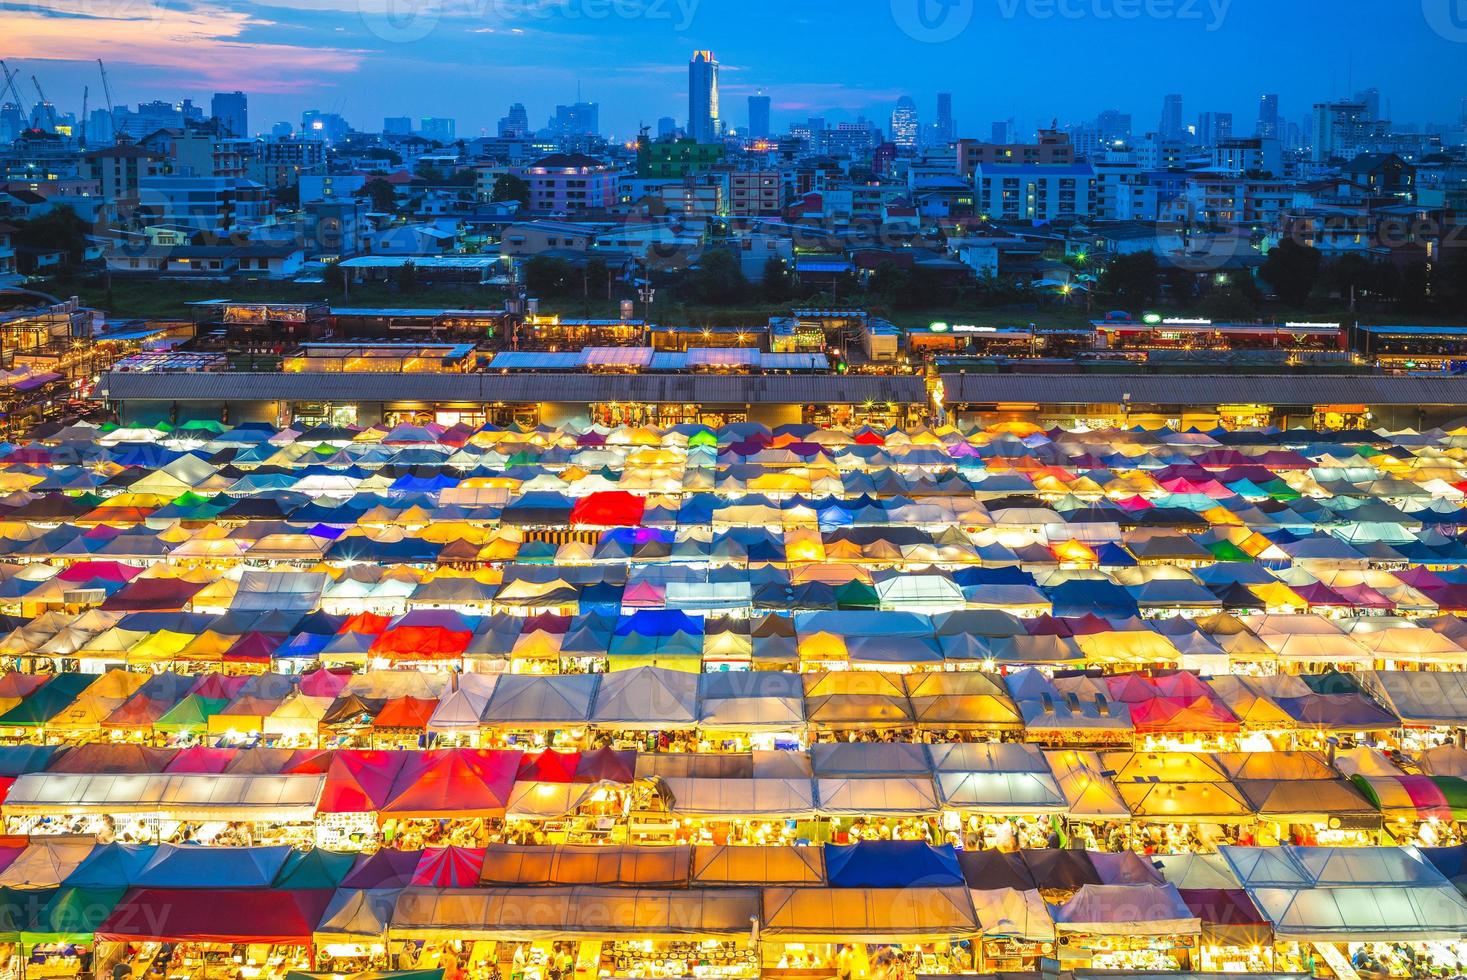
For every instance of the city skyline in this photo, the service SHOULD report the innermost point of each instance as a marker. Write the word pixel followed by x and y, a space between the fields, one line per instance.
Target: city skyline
pixel 294 55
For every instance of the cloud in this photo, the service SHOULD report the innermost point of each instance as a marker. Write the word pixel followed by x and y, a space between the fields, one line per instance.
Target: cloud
pixel 194 45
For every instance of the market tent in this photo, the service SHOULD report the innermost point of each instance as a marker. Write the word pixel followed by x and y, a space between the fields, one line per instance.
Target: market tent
pixel 357 914
pixel 388 868
pixel 858 699
pixel 732 865
pixel 561 913
pixel 1420 698
pixel 190 866
pixel 454 783
pixel 178 796
pixel 111 866
pixel 1089 792
pixel 1127 910
pixel 1011 913
pixel 630 865
pixel 753 797
pixel 871 915
pixel 45 863
pixel 316 868
pixel 749 700
pixel 883 796
pixel 1228 916
pixel 72 915
pixel 540 701
pixel 996 777
pixel 994 870
pixel 891 864
pixel 961 700
pixel 646 698
pixel 223 915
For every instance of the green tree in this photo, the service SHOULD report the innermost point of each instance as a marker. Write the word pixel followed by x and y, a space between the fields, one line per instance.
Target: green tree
pixel 383 195
pixel 595 277
pixel 546 276
pixel 508 187
pixel 890 282
pixel 407 278
pixel 1292 269
pixel 775 283
pixel 716 280
pixel 334 275
pixel 59 230
pixel 1132 279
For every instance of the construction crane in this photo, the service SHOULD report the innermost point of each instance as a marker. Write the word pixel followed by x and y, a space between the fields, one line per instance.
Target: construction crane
pixel 86 92
pixel 106 87
pixel 44 104
pixel 13 88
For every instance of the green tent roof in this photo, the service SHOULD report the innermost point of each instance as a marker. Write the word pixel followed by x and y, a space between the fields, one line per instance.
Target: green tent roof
pixel 856 595
pixel 72 915
pixel 47 701
pixel 316 868
pixel 1227 551
pixel 192 712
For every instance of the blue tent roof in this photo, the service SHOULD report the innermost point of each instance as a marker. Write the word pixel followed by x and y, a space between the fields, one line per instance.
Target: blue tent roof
pixel 190 866
pixel 111 866
pixel 891 864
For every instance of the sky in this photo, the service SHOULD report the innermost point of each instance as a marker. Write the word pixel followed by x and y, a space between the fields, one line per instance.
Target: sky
pixel 1033 60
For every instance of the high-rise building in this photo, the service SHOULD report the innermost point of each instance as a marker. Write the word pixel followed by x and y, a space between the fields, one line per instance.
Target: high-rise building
pixel 1339 128
pixel 233 112
pixel 759 117
pixel 905 125
pixel 1370 98
pixel 397 126
pixel 666 128
pixel 1003 132
pixel 1269 126
pixel 1213 127
pixel 1171 126
pixel 516 123
pixel 944 130
pixel 439 128
pixel 703 117
pixel 281 130
pixel 1113 126
pixel 327 126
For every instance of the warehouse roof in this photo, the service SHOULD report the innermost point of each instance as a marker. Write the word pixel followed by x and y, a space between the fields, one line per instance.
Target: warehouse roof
pixel 1179 389
pixel 514 387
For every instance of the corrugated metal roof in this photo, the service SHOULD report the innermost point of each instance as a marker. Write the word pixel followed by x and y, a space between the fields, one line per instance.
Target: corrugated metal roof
pixel 513 387
pixel 1179 389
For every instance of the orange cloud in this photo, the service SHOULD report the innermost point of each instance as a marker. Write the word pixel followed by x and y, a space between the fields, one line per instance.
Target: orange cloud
pixel 194 46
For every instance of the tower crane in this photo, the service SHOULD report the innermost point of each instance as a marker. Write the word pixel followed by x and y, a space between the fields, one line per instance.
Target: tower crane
pixel 50 109
pixel 13 88
pixel 86 93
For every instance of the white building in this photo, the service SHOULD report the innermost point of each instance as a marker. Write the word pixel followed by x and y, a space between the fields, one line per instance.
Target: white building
pixel 1035 192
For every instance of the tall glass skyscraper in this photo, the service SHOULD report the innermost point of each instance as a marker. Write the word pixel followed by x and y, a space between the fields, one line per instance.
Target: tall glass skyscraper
pixel 703 98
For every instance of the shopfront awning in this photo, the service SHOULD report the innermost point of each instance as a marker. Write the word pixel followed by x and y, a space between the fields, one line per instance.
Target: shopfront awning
pixel 1127 910
pixel 561 913
pixel 178 796
pixel 736 864
pixel 215 916
pixel 871 915
pixel 776 798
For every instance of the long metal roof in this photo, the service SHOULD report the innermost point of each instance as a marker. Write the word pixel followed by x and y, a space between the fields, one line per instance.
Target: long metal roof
pixel 1192 389
pixel 514 387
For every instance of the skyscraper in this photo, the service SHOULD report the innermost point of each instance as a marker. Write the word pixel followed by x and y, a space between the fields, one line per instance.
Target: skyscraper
pixel 515 124
pixel 759 117
pixel 1113 126
pixel 439 128
pixel 944 130
pixel 703 121
pixel 1214 126
pixel 904 124
pixel 1171 127
pixel 666 128
pixel 1339 129
pixel 1268 117
pixel 397 126
pixel 1370 98
pixel 232 111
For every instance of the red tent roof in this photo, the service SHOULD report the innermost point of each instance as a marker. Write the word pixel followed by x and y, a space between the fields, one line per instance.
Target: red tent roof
pixel 152 595
pixel 609 508
pixel 201 759
pixel 422 643
pixel 225 915
pixel 454 782
pixel 450 867
pixel 405 712
pixel 607 765
pixel 365 622
pixel 549 766
pixel 357 780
